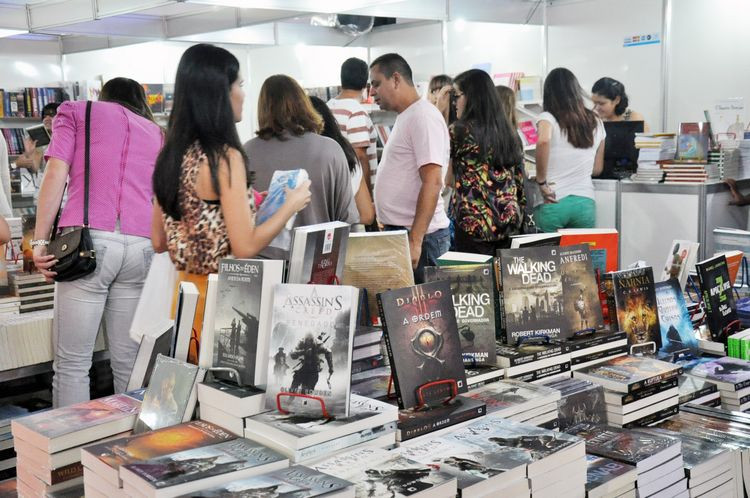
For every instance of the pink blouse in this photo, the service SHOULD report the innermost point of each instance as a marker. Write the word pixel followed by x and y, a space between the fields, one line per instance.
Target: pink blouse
pixel 124 147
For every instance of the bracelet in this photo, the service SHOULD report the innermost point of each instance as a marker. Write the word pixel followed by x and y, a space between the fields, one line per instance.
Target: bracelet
pixel 39 242
pixel 541 184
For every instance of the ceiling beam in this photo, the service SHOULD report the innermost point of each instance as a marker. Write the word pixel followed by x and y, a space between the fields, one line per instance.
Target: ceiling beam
pixel 13 17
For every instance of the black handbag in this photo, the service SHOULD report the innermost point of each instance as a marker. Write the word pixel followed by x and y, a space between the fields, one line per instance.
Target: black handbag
pixel 74 250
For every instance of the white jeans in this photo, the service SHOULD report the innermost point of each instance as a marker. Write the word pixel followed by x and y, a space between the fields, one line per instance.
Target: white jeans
pixel 110 293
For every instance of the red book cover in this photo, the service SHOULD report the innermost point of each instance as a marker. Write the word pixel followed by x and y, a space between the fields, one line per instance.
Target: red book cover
pixel 603 244
pixel 529 132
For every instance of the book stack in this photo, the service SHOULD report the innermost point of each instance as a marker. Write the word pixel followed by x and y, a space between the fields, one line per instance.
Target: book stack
pixel 607 478
pixel 653 147
pixel 656 458
pixel 48 443
pixel 744 157
pixel 698 391
pixel 437 419
pixel 731 375
pixel 689 171
pixel 708 465
pixel 33 291
pixel 580 402
pixel 497 457
pixel 7 453
pixel 727 161
pixel 10 305
pixel 534 362
pixel 597 348
pixel 304 439
pixel 226 404
pixel 373 383
pixel 368 346
pixel 101 462
pixel 520 402
pixel 639 391
pixel 738 345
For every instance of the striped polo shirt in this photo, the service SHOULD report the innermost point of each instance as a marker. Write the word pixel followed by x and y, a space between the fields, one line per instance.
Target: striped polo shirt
pixel 357 127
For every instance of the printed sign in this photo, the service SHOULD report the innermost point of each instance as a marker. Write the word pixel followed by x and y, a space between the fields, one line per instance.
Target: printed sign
pixel 636 40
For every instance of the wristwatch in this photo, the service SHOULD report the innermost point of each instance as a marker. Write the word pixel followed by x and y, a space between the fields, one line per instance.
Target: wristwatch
pixel 39 242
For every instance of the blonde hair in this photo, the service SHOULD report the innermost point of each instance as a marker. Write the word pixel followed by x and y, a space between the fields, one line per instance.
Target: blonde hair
pixel 508 101
pixel 283 106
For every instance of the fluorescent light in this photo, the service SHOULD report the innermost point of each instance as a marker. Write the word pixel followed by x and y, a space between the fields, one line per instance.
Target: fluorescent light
pixel 11 32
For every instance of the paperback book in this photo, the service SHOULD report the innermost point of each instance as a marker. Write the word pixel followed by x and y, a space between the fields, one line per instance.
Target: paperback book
pixel 419 325
pixel 718 299
pixel 532 293
pixel 581 306
pixel 639 449
pixel 310 351
pixel 150 347
pixel 680 261
pixel 699 391
pixel 677 332
pixel 318 253
pixel 417 422
pixel 582 404
pixel 473 289
pixel 635 303
pixel 280 181
pixel 626 374
pixel 507 398
pixel 604 475
pixel 729 374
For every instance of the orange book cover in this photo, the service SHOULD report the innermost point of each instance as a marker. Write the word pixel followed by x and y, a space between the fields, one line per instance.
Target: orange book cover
pixel 734 260
pixel 603 243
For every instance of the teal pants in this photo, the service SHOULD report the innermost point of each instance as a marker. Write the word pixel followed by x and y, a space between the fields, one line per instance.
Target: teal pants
pixel 571 211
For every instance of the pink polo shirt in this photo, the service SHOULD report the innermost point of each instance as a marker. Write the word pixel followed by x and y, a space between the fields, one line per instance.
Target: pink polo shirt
pixel 124 147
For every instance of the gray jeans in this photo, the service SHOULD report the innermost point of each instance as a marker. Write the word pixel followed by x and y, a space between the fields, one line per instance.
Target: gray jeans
pixel 110 293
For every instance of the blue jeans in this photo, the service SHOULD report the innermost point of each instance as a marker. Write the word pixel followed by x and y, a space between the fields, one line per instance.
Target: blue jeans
pixel 434 245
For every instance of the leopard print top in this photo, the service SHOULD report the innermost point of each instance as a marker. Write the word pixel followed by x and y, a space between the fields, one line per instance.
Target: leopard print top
pixel 199 240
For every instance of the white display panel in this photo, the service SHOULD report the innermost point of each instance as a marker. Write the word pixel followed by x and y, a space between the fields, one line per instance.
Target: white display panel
pixel 421 46
pixel 27 63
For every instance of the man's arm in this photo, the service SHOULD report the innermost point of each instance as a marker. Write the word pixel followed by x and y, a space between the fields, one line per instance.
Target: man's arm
pixel 432 184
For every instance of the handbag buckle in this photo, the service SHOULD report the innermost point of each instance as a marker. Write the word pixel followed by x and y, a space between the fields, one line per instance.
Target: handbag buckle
pixel 64 247
pixel 88 254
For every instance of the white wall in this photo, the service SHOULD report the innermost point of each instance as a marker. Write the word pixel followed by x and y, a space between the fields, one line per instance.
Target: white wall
pixel 26 63
pixel 708 57
pixel 587 38
pixel 421 46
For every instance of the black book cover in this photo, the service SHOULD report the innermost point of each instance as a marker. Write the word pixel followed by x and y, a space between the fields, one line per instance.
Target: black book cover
pixel 607 353
pixel 718 300
pixel 624 445
pixel 543 373
pixel 653 418
pixel 581 306
pixel 414 422
pixel 513 356
pixel 592 340
pixel 532 293
pixel 666 385
pixel 584 406
pixel 474 305
pixel 635 302
pixel 419 326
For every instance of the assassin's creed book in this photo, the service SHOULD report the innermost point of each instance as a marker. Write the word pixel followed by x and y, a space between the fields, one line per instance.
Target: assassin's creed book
pixel 626 374
pixel 318 253
pixel 419 326
pixel 581 307
pixel 473 288
pixel 580 403
pixel 295 482
pixel 310 351
pixel 640 449
pixel 635 303
pixel 506 398
pixel 716 291
pixel 698 391
pixel 193 469
pixel 674 320
pixel 377 473
pixel 241 318
pixel 604 475
pixel 532 293
pixel 698 454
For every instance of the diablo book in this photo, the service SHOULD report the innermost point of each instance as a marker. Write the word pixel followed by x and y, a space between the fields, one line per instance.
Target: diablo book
pixel 718 300
pixel 581 306
pixel 473 290
pixel 635 305
pixel 236 322
pixel 674 320
pixel 419 326
pixel 532 293
pixel 604 474
pixel 310 351
pixel 318 253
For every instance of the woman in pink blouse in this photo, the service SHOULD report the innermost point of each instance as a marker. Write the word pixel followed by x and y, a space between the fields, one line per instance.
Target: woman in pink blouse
pixel 124 144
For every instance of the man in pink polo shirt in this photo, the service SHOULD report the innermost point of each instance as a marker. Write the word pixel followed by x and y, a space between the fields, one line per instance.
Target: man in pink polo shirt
pixel 415 159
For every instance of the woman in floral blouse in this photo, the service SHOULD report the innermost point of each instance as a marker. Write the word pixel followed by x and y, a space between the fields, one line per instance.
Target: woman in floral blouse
pixel 487 166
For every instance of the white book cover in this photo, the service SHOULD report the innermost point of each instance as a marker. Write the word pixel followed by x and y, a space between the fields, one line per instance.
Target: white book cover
pixel 187 305
pixel 680 261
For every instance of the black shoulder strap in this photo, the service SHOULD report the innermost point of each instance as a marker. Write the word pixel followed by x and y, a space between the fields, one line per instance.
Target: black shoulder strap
pixel 87 158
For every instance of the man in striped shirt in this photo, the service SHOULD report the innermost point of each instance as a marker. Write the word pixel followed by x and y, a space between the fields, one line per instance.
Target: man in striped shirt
pixel 354 122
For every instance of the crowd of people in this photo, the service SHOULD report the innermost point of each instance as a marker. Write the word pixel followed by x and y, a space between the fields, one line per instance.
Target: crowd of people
pixel 451 174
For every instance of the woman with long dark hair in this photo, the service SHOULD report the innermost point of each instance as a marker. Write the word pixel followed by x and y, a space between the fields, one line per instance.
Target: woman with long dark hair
pixel 205 204
pixel 611 102
pixel 124 142
pixel 487 165
pixel 569 151
pixel 331 129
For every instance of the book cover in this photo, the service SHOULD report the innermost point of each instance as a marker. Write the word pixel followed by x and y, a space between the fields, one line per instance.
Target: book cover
pixel 693 388
pixel 603 244
pixel 149 348
pixel 473 290
pixel 158 443
pixel 318 253
pixel 200 463
pixel 419 326
pixel 731 374
pixel 695 450
pixel 624 399
pixel 508 397
pixel 680 261
pixel 532 292
pixel 693 141
pixel 625 445
pixel 295 482
pixel 280 181
pixel 716 291
pixel 168 394
pixel 629 373
pixel 413 423
pixel 581 306
pixel 635 304
pixel 68 419
pixel 376 262
pixel 583 406
pixel 377 473
pixel 674 320
pixel 600 471
pixel 529 132
pixel 512 356
pixel 310 349
pixel 155 97
pixel 236 320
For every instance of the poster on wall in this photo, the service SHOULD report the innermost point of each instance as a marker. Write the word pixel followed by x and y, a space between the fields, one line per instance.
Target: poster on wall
pixel 638 40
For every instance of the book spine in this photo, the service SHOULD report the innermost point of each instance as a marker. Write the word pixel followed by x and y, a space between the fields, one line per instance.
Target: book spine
pixel 609 290
pixel 599 355
pixel 421 427
pixel 328 447
pixel 654 380
pixel 359 366
pixel 645 393
pixel 63 474
pixel 389 349
pixel 653 418
pixel 543 372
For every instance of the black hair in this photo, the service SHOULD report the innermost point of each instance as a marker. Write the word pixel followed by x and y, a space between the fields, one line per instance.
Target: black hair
pixel 484 116
pixel 610 88
pixel 354 74
pixel 331 130
pixel 129 94
pixel 439 81
pixel 50 108
pixel 563 98
pixel 393 63
pixel 202 112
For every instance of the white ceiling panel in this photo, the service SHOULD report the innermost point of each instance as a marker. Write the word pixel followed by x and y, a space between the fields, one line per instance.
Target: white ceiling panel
pixel 12 17
pixel 327 6
pixel 126 25
pixel 262 34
